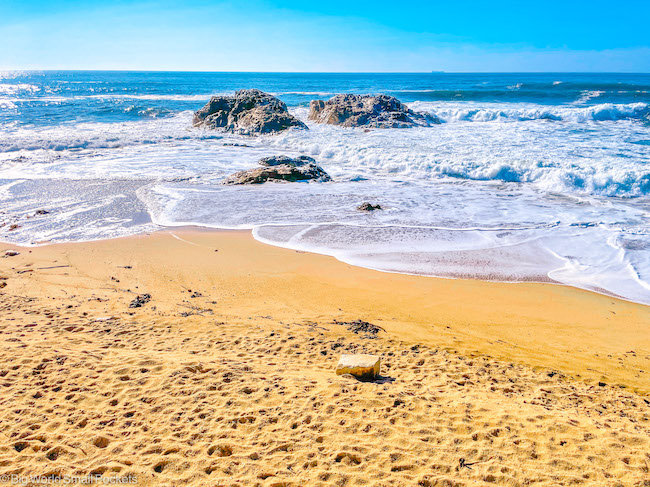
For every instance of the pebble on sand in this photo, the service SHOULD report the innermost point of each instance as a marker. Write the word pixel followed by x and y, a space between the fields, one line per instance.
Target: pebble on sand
pixel 361 366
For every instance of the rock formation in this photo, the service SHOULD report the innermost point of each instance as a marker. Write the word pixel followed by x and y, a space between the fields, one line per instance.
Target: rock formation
pixel 380 111
pixel 280 168
pixel 248 112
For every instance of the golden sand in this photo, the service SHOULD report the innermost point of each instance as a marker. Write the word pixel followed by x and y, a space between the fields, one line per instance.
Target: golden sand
pixel 226 377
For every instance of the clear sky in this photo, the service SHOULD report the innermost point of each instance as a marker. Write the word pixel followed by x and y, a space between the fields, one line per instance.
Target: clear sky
pixel 333 35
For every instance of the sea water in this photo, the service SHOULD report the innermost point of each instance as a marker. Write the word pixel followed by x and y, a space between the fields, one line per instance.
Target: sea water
pixel 530 177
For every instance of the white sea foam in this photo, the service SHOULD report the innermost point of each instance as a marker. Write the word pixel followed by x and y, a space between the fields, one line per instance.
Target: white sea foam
pixel 552 156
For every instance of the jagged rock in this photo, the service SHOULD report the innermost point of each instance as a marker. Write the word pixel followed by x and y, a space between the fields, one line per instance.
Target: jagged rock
pixel 280 168
pixel 377 111
pixel 368 207
pixel 361 366
pixel 249 112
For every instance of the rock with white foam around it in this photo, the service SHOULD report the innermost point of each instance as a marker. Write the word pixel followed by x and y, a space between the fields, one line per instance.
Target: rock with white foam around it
pixel 248 112
pixel 373 111
pixel 361 366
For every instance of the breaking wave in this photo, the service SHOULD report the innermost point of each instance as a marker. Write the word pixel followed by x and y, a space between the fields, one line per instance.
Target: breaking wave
pixel 602 112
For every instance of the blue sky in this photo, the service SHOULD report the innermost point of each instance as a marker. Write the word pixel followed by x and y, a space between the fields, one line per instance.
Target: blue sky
pixel 337 35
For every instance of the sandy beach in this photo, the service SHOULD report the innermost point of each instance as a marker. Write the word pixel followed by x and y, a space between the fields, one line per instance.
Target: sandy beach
pixel 226 375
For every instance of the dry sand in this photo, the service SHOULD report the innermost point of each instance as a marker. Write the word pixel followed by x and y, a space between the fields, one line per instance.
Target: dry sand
pixel 226 377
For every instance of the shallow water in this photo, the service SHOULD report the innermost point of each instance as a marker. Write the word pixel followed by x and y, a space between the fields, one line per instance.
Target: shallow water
pixel 530 177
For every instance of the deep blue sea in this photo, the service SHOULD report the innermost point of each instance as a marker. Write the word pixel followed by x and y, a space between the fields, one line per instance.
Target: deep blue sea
pixel 529 177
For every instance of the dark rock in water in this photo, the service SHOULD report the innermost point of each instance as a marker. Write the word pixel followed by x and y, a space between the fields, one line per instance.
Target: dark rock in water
pixel 377 111
pixel 249 112
pixel 280 168
pixel 42 212
pixel 368 207
pixel 140 301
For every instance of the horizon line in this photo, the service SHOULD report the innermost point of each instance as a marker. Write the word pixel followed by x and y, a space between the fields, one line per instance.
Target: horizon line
pixel 33 70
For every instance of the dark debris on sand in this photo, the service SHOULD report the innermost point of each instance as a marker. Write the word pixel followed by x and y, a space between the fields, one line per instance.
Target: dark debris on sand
pixel 140 301
pixel 360 326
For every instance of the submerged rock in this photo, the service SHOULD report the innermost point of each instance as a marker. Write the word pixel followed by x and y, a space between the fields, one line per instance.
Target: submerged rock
pixel 368 207
pixel 280 168
pixel 361 366
pixel 377 111
pixel 248 112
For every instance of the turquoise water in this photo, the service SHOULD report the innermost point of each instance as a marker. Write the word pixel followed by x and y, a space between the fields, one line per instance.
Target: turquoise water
pixel 530 177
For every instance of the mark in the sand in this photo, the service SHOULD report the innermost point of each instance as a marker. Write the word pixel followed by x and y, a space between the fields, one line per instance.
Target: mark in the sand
pixel 194 310
pixel 464 464
pixel 186 241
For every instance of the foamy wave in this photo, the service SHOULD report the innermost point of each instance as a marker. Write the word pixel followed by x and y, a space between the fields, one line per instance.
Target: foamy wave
pixel 103 135
pixel 605 111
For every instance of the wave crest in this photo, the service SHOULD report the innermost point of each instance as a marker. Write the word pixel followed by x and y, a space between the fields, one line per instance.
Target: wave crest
pixel 602 112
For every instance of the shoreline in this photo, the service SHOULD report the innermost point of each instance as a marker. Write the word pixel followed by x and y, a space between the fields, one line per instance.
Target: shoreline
pixel 251 231
pixel 517 321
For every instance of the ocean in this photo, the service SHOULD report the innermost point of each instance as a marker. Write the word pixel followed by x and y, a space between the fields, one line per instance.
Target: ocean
pixel 530 177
